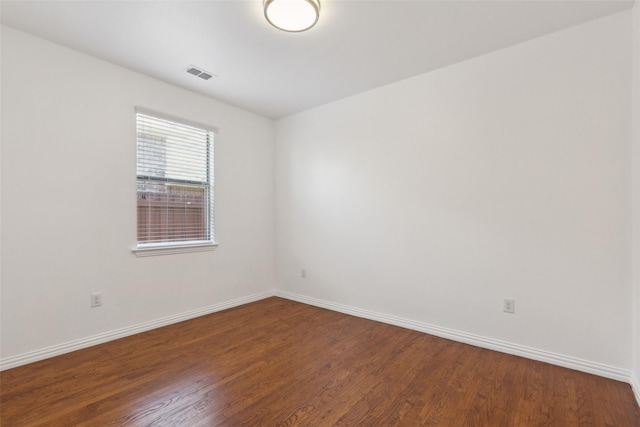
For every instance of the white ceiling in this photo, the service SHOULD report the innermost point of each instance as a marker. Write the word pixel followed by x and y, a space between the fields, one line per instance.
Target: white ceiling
pixel 356 46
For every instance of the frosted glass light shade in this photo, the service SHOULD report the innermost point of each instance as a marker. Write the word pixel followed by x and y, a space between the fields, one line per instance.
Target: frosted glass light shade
pixel 292 15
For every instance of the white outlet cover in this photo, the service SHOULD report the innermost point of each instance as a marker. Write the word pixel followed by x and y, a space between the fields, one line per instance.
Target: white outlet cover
pixel 96 299
pixel 508 305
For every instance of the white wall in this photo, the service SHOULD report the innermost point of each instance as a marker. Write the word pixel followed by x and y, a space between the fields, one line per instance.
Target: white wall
pixel 636 198
pixel 68 200
pixel 507 175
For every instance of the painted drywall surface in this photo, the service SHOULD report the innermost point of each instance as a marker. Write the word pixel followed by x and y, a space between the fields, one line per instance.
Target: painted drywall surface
pixel 503 176
pixel 68 200
pixel 636 196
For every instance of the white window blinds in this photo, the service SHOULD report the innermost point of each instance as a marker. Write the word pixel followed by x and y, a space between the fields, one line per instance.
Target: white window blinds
pixel 175 182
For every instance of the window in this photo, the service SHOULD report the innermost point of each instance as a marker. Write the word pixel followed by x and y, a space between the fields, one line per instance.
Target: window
pixel 175 184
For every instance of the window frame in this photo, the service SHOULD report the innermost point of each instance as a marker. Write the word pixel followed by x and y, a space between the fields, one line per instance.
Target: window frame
pixel 175 247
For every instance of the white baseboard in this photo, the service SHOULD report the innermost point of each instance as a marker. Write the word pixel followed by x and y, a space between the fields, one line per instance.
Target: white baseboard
pixel 635 386
pixel 56 350
pixel 476 340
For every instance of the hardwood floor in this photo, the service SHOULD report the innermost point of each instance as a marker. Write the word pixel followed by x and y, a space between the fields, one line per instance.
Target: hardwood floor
pixel 281 363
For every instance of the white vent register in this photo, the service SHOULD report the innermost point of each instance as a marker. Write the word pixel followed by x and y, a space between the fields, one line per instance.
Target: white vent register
pixel 199 72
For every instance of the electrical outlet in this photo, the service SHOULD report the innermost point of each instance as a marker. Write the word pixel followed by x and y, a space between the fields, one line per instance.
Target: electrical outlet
pixel 303 273
pixel 509 305
pixel 96 299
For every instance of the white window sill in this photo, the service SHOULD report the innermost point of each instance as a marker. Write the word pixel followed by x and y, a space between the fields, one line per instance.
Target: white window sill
pixel 177 249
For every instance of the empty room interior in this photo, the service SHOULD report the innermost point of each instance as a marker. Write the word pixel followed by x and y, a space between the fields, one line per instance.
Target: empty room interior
pixel 393 213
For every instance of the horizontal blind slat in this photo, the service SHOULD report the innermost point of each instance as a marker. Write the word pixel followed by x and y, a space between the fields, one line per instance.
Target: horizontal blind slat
pixel 175 181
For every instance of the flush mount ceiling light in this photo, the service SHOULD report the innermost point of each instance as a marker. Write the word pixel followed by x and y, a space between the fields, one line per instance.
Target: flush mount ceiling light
pixel 293 16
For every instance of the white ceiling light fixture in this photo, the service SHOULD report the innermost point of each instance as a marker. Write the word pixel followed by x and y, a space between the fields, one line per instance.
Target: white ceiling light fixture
pixel 293 16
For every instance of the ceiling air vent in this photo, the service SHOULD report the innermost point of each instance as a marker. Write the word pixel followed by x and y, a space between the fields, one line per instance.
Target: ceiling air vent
pixel 199 72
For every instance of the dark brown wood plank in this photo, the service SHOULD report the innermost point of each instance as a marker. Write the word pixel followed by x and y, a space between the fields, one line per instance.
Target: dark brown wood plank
pixel 281 363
